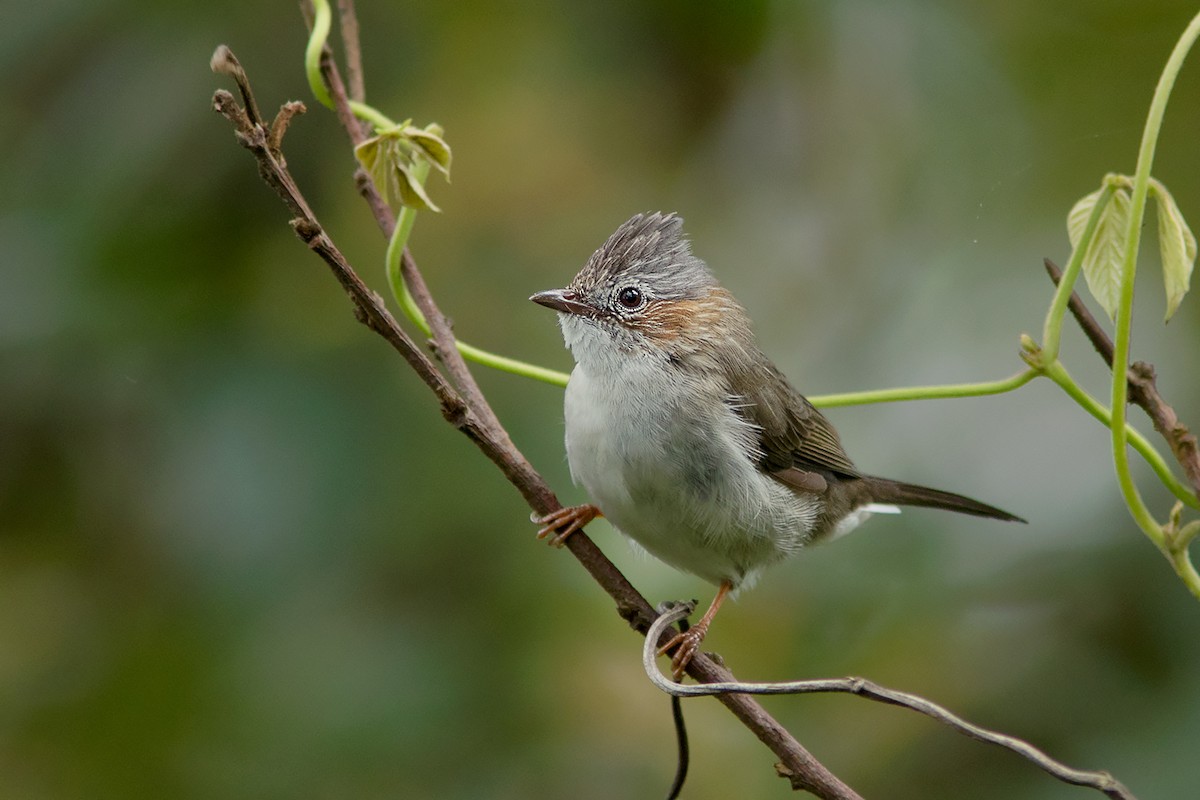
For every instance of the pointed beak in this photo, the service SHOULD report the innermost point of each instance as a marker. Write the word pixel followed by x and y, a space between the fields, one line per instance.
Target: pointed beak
pixel 564 300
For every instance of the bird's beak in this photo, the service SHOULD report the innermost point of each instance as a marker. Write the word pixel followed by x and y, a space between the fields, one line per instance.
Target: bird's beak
pixel 564 300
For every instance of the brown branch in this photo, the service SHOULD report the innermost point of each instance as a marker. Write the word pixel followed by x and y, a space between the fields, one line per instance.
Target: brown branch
pixel 808 773
pixel 379 208
pixel 1143 388
pixel 348 24
pixel 369 308
pixel 470 413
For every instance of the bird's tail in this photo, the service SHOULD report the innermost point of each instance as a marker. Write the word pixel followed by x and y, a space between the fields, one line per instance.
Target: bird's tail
pixel 885 490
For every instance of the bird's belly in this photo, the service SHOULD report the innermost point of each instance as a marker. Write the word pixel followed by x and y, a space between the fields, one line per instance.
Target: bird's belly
pixel 681 484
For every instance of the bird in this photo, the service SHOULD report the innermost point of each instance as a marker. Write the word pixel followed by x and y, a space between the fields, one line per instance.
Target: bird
pixel 686 437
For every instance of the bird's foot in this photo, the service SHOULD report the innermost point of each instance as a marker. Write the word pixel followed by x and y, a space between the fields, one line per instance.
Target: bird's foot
pixel 564 522
pixel 685 644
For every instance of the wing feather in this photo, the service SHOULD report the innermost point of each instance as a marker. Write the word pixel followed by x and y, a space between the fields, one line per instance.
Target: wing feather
pixel 793 434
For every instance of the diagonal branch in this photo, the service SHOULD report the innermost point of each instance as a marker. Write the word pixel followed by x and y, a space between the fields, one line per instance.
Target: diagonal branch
pixel 466 408
pixel 1143 388
pixel 808 772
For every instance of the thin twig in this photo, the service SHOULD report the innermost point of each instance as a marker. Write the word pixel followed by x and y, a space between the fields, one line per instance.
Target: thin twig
pixel 369 307
pixel 1101 781
pixel 1091 328
pixel 348 25
pixel 384 217
pixel 224 62
pixel 1143 388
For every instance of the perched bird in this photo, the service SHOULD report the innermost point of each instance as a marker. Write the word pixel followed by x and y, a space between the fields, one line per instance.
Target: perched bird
pixel 686 437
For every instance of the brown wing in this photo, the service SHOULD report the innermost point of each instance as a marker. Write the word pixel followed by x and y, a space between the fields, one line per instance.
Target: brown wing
pixel 797 442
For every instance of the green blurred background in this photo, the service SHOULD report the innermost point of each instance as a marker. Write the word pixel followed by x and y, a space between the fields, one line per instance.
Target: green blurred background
pixel 241 555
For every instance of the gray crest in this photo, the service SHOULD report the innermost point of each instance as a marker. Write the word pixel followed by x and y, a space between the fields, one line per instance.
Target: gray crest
pixel 651 250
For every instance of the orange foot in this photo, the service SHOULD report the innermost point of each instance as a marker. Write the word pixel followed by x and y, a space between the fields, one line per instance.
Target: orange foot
pixel 688 642
pixel 564 522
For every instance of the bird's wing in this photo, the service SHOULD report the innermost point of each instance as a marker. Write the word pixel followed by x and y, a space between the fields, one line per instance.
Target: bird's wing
pixel 798 445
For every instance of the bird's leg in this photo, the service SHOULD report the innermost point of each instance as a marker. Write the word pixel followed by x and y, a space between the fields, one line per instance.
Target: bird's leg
pixel 689 641
pixel 564 522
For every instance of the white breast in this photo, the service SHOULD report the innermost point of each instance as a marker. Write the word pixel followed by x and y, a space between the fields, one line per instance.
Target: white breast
pixel 672 466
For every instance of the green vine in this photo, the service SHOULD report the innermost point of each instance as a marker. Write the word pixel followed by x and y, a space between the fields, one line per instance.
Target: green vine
pixel 1170 546
pixel 399 158
pixel 395 276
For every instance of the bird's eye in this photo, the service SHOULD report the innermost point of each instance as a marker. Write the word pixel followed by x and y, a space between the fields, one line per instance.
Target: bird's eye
pixel 630 297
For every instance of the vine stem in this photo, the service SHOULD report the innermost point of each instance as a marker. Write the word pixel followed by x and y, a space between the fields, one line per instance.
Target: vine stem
pixel 395 277
pixel 942 392
pixel 1124 322
pixel 1052 333
pixel 322 22
pixel 1058 373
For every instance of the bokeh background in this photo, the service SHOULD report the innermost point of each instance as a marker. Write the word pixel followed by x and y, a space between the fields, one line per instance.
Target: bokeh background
pixel 241 555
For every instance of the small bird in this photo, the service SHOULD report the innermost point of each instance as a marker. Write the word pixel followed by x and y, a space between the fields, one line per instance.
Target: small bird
pixel 686 437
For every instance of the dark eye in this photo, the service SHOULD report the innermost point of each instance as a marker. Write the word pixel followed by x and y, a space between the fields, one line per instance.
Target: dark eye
pixel 630 297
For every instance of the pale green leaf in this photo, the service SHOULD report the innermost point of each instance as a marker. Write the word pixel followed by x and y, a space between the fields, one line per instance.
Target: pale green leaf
pixel 1078 217
pixel 378 157
pixel 1177 246
pixel 367 154
pixel 389 157
pixel 410 190
pixel 432 147
pixel 1104 254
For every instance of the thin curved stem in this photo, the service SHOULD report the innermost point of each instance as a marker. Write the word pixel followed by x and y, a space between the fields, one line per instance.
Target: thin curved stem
pixel 1101 781
pixel 941 392
pixel 322 22
pixel 395 278
pixel 1181 560
pixel 1052 331
pixel 1124 322
pixel 1058 373
pixel 1189 532
pixel 1055 372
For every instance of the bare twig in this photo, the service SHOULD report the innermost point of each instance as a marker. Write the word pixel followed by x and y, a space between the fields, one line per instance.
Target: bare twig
pixel 224 62
pixel 1143 388
pixel 379 209
pixel 479 424
pixel 369 308
pixel 348 24
pixel 1101 781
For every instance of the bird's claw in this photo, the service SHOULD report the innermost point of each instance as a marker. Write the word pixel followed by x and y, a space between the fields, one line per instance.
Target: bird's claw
pixel 564 522
pixel 685 644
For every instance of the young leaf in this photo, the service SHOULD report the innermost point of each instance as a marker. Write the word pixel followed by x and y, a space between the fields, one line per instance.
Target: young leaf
pixel 1078 216
pixel 389 156
pixel 410 190
pixel 378 156
pixel 1177 246
pixel 367 154
pixel 1102 259
pixel 432 147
